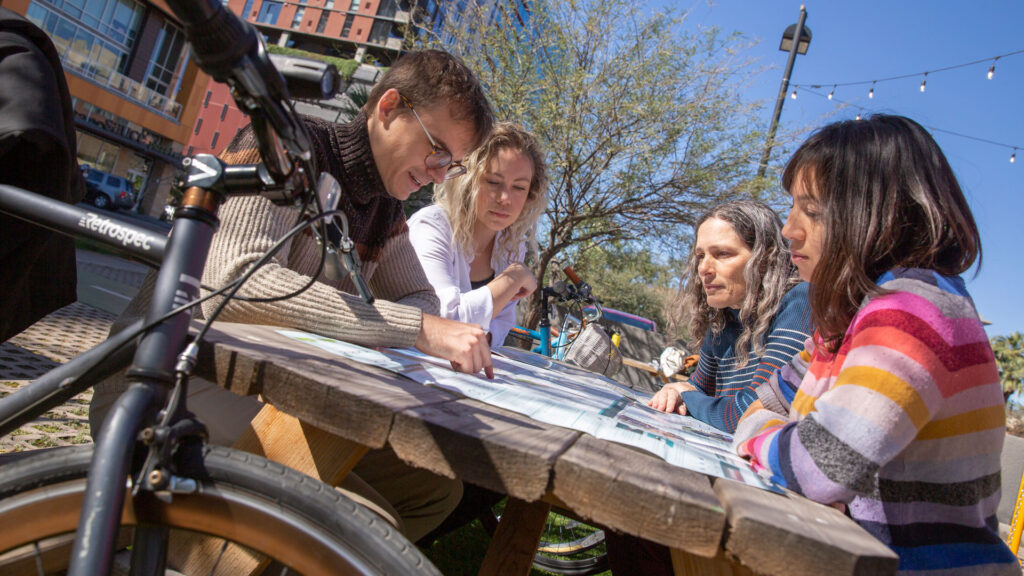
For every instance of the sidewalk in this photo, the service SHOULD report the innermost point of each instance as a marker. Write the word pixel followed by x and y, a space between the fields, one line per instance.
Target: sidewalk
pixel 54 340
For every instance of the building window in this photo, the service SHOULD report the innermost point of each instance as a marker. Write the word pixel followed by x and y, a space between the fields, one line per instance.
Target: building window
pixel 379 32
pixel 167 62
pixel 387 8
pixel 269 12
pixel 247 10
pixel 189 153
pixel 347 27
pixel 213 143
pixel 353 6
pixel 223 112
pixel 368 6
pixel 321 25
pixel 329 5
pixel 206 101
pixel 98 45
pixel 199 124
pixel 299 13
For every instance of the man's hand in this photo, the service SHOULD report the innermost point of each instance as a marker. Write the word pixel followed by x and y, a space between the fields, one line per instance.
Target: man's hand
pixel 669 398
pixel 464 345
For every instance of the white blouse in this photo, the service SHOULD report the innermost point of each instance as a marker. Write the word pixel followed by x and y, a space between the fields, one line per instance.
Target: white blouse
pixel 447 269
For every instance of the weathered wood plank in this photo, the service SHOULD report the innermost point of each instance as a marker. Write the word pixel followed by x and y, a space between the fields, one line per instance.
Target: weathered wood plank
pixel 482 444
pixel 640 494
pixel 515 542
pixel 351 400
pixel 793 536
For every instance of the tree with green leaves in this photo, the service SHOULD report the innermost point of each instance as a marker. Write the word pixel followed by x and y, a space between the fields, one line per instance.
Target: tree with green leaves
pixel 1009 351
pixel 642 119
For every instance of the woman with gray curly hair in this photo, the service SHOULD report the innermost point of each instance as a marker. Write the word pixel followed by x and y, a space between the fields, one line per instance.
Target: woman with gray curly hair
pixel 472 241
pixel 746 300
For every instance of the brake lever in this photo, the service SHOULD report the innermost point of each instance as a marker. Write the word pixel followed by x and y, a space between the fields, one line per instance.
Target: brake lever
pixel 335 267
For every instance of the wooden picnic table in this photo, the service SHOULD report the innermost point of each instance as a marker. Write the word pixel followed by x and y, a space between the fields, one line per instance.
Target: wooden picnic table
pixel 340 409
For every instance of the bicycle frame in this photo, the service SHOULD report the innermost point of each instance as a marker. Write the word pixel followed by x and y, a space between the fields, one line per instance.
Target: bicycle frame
pixel 183 257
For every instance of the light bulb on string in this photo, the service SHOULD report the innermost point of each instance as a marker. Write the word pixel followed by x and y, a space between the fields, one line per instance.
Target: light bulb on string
pixel 793 95
pixel 871 93
pixel 1013 157
pixel 858 115
pixel 924 81
pixel 830 94
pixel 992 69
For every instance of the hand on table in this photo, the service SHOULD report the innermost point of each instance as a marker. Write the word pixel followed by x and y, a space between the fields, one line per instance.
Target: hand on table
pixel 669 398
pixel 464 345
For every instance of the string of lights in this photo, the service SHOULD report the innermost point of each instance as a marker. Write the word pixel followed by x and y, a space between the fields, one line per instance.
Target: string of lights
pixel 860 109
pixel 924 76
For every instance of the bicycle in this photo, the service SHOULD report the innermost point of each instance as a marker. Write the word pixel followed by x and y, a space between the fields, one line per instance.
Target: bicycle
pixel 577 335
pixel 568 546
pixel 150 477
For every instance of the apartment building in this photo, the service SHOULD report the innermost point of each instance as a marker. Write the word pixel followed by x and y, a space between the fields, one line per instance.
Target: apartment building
pixel 136 93
pixel 345 28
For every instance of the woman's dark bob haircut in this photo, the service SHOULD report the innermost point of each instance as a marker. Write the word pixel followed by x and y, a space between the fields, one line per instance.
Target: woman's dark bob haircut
pixel 888 199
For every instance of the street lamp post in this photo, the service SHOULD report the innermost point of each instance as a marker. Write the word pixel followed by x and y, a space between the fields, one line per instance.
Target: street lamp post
pixel 796 39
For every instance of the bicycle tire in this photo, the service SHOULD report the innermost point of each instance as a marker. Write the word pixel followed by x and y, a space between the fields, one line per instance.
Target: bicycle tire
pixel 295 520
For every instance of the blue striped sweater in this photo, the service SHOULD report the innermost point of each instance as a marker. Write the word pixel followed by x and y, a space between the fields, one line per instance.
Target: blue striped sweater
pixel 726 389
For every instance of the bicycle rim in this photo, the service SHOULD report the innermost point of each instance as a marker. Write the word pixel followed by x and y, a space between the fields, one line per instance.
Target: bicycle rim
pixel 256 504
pixel 571 548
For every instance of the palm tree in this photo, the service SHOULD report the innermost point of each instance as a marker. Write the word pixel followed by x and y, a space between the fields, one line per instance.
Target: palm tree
pixel 1009 351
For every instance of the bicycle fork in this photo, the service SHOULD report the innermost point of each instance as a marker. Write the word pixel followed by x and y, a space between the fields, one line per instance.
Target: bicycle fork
pixel 152 375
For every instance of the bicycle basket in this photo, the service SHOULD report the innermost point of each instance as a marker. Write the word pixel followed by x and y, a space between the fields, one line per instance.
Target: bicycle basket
pixel 593 350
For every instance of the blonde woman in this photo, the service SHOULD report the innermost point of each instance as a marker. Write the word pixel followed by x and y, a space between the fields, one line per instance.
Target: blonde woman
pixel 472 240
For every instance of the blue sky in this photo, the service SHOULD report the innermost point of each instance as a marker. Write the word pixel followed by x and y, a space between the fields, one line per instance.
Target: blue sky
pixel 866 40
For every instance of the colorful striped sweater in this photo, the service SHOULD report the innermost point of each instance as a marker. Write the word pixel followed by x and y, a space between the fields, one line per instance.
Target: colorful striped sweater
pixel 904 424
pixel 726 389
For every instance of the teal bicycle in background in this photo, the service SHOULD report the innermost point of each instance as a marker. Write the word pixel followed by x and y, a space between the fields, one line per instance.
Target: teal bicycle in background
pixel 581 339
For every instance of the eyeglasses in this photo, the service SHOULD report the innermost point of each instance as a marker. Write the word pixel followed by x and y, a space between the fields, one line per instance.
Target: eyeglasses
pixel 439 157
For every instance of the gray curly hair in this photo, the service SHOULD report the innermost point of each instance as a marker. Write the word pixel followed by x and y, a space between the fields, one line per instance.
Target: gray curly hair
pixel 769 274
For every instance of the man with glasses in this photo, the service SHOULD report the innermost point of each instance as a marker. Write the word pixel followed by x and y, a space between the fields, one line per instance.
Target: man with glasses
pixel 427 112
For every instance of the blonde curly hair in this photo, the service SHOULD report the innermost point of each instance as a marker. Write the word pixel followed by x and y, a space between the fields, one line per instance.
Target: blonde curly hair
pixel 458 197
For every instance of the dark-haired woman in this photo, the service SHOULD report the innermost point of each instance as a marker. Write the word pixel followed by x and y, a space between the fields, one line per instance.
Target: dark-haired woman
pixel 896 410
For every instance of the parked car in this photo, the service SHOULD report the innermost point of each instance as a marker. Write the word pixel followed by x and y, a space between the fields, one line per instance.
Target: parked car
pixel 107 191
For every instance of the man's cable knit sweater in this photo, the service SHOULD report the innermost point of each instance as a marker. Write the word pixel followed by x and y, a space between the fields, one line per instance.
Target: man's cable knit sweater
pixel 250 225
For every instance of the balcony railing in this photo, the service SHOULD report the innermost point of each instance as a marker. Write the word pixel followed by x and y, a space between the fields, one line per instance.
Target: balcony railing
pixel 82 65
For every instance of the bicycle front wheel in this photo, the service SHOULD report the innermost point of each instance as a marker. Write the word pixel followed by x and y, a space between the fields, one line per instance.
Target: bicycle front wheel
pixel 243 499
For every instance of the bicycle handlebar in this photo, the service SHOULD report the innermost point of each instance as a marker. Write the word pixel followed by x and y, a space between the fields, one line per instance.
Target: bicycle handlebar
pixel 572 275
pixel 229 49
